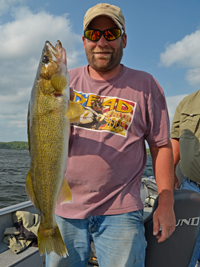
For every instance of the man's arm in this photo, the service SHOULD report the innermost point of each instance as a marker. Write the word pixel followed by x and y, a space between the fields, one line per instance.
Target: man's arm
pixel 164 217
pixel 175 133
pixel 176 154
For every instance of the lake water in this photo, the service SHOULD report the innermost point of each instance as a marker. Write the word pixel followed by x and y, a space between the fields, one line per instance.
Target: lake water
pixel 14 165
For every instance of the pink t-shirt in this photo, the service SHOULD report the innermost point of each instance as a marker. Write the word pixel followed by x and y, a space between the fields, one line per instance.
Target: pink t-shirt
pixel 107 153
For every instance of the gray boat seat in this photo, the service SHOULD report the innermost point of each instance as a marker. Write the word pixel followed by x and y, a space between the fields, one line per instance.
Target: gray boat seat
pixel 177 250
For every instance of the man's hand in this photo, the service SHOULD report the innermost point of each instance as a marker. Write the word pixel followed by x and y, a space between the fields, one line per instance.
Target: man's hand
pixel 71 94
pixel 164 217
pixel 163 222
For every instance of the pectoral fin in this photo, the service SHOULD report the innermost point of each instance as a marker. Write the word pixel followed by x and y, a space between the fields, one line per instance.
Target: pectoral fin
pixel 65 195
pixel 59 82
pixel 75 110
pixel 75 120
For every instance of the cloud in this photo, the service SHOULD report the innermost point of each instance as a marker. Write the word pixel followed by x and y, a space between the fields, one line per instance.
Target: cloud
pixel 5 5
pixel 25 36
pixel 193 76
pixel 22 41
pixel 186 54
pixel 172 103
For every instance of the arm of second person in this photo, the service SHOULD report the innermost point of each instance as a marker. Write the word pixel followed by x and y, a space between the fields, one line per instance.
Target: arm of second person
pixel 176 154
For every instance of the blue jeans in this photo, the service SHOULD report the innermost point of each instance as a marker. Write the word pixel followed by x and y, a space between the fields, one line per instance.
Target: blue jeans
pixel 119 240
pixel 188 184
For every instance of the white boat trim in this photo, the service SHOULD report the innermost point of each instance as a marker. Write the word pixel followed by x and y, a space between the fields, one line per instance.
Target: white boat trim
pixel 13 208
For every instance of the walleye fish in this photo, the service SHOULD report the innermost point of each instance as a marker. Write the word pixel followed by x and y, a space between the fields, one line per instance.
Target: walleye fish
pixel 49 117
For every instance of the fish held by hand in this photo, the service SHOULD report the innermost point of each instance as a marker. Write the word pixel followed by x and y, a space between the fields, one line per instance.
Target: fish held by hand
pixel 49 116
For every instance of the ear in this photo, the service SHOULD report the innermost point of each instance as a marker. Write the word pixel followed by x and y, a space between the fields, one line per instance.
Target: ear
pixel 83 39
pixel 124 40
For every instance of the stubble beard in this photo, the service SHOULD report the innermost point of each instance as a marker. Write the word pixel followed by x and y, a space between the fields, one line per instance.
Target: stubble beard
pixel 104 63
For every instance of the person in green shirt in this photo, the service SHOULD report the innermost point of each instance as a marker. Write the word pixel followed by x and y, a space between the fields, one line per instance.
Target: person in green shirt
pixel 185 137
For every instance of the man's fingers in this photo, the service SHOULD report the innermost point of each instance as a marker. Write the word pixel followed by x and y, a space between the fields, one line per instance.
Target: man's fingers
pixel 71 94
pixel 162 231
pixel 164 234
pixel 156 225
pixel 176 182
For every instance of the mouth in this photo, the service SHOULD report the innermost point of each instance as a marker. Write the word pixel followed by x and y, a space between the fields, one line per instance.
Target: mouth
pixel 102 53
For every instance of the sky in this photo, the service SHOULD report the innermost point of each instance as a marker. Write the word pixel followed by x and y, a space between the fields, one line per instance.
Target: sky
pixel 163 39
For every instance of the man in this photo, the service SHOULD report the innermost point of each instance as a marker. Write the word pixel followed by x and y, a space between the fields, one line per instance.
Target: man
pixel 185 134
pixel 107 154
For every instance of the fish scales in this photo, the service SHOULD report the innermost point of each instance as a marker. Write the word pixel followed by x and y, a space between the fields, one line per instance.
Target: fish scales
pixel 48 135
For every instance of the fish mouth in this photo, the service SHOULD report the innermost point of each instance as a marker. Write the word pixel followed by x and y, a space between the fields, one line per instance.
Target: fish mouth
pixel 54 51
pixel 57 53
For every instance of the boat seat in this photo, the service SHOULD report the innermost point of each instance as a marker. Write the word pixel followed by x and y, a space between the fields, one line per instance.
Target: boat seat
pixel 177 250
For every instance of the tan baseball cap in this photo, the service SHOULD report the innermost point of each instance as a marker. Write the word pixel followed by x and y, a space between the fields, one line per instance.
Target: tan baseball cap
pixel 104 9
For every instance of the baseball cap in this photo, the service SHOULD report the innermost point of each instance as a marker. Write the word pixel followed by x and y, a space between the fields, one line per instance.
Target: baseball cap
pixel 103 9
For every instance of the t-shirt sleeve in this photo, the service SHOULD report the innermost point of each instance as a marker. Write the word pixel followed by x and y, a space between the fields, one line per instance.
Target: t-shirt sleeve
pixel 158 130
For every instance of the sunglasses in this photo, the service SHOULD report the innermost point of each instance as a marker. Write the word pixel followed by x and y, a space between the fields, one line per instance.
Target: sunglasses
pixel 109 34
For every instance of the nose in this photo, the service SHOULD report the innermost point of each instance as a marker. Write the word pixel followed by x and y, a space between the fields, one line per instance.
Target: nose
pixel 102 41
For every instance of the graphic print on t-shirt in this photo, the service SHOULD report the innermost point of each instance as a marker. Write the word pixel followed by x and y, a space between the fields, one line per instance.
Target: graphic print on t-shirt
pixel 104 113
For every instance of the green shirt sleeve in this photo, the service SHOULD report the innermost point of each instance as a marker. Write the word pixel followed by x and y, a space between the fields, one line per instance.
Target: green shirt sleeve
pixel 187 116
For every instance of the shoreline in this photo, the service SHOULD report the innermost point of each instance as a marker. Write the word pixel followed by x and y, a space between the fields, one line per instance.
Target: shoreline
pixel 15 145
pixel 23 145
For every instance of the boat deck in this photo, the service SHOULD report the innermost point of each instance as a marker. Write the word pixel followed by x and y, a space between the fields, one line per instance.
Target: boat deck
pixel 29 257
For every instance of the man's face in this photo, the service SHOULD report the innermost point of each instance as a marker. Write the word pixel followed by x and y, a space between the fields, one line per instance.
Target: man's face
pixel 104 55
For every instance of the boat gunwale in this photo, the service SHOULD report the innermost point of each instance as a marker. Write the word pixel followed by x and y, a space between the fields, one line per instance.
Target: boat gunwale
pixel 15 207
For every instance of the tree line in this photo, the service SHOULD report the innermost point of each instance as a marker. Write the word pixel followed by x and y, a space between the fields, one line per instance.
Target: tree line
pixel 16 145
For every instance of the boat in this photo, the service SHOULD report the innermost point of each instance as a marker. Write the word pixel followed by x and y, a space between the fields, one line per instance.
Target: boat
pixel 29 257
pixel 176 251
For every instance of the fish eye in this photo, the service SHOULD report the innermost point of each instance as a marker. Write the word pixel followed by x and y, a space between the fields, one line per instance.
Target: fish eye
pixel 45 59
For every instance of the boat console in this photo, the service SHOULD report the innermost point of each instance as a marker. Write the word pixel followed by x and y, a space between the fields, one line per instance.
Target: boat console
pixel 177 250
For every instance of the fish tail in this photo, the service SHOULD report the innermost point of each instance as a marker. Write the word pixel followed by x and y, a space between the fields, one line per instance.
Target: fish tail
pixel 51 240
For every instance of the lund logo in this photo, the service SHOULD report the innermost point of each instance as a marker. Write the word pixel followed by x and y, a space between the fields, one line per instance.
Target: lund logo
pixel 191 221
